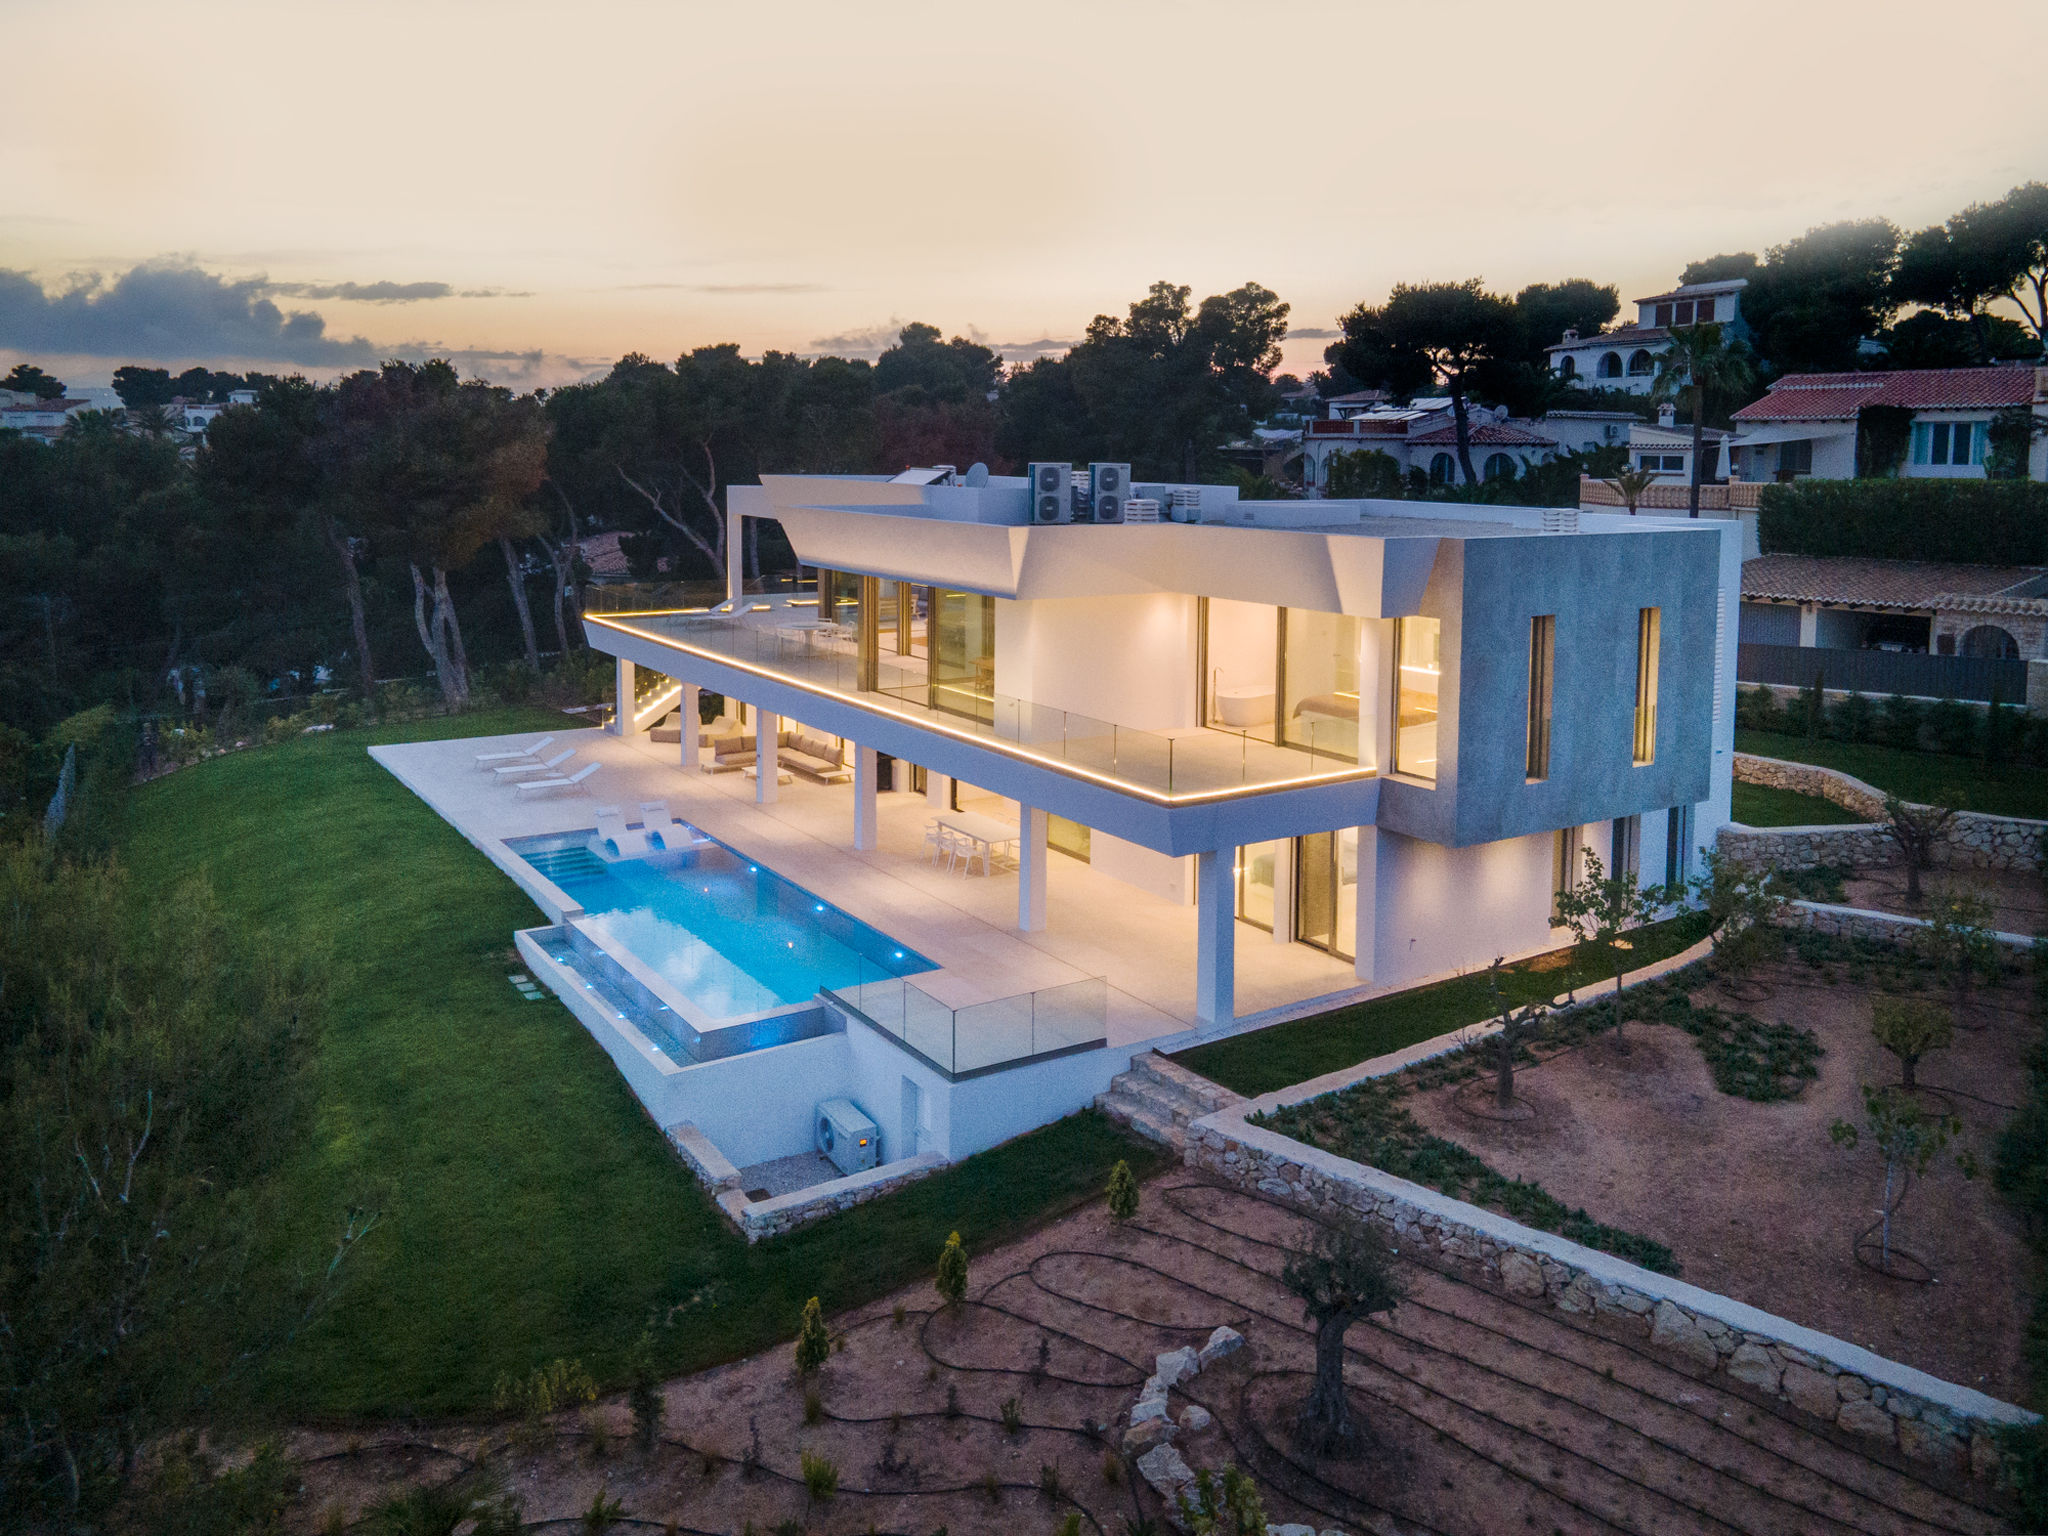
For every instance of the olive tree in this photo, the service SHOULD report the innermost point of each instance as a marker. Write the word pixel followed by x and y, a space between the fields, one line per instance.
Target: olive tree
pixel 1345 1275
pixel 1910 1027
pixel 1518 1026
pixel 1918 830
pixel 1602 908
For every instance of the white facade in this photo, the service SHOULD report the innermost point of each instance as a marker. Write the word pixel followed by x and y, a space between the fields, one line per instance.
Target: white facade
pixel 1422 436
pixel 1807 424
pixel 1626 357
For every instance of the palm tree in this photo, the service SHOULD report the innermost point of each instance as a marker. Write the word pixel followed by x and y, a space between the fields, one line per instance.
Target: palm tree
pixel 1630 484
pixel 1700 364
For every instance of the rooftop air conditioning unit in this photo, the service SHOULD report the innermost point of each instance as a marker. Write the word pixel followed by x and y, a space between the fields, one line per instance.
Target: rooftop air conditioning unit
pixel 1187 505
pixel 1052 493
pixel 1112 486
pixel 1141 509
pixel 848 1137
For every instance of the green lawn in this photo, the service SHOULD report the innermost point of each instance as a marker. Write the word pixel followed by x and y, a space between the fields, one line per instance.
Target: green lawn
pixel 1761 805
pixel 1285 1054
pixel 531 1208
pixel 1967 783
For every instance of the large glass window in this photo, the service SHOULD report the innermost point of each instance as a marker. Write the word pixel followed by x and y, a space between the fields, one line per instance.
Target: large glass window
pixel 1647 626
pixel 1319 682
pixel 963 653
pixel 1257 868
pixel 1418 672
pixel 1946 442
pixel 1326 891
pixel 1542 673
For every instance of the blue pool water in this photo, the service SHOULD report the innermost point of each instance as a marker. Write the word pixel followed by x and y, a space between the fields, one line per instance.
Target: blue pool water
pixel 733 937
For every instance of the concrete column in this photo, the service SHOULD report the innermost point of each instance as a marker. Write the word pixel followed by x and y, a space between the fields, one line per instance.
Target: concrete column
pixel 865 768
pixel 1809 624
pixel 624 674
pixel 1365 937
pixel 767 726
pixel 938 791
pixel 1031 869
pixel 1215 937
pixel 735 557
pixel 1376 693
pixel 688 707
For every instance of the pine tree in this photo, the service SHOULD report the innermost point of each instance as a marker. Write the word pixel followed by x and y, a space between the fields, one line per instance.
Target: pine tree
pixel 1123 1192
pixel 952 1278
pixel 813 1343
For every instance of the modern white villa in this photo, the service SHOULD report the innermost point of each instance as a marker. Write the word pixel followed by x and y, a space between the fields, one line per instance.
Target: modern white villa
pixel 1017 791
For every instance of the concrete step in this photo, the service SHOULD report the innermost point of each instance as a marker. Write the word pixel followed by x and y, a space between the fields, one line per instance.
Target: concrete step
pixel 1161 1102
pixel 1135 1115
pixel 1152 1067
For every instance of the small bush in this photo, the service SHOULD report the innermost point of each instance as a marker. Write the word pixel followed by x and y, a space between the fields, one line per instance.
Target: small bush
pixel 1123 1192
pixel 952 1276
pixel 813 1343
pixel 1013 1416
pixel 1050 1485
pixel 643 1392
pixel 814 1406
pixel 821 1477
pixel 1112 1469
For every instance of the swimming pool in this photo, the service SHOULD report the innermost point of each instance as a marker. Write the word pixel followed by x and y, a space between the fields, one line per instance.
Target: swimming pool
pixel 729 940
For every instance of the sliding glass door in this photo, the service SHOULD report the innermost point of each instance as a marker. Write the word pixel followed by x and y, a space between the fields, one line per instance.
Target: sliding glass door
pixel 963 653
pixel 1326 891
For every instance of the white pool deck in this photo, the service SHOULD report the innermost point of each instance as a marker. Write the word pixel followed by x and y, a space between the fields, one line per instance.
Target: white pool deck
pixel 1142 944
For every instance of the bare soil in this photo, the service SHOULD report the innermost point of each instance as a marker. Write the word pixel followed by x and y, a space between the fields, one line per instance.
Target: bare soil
pixel 2019 902
pixel 1759 1203
pixel 1484 1415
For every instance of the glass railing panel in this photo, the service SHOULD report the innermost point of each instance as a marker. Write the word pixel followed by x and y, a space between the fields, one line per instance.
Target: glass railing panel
pixel 989 1034
pixel 1070 1015
pixel 928 1026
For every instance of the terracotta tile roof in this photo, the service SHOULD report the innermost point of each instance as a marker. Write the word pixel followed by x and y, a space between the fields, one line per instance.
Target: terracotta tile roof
pixel 1856 582
pixel 1694 290
pixel 1487 434
pixel 1626 336
pixel 1833 396
pixel 606 560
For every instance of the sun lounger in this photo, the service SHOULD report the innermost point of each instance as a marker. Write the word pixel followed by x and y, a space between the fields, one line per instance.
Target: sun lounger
pixel 512 771
pixel 613 836
pixel 551 786
pixel 522 755
pixel 661 829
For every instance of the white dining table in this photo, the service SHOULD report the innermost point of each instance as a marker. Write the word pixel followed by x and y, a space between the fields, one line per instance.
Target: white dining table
pixel 992 835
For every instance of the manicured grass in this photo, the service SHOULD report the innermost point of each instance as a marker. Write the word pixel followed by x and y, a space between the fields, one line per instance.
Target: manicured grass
pixel 1266 1059
pixel 531 1210
pixel 1761 805
pixel 1967 783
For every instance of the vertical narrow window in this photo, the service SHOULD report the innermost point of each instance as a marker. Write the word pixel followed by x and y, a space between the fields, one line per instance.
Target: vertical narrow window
pixel 1542 668
pixel 1418 676
pixel 1647 626
pixel 1979 439
pixel 1564 867
pixel 1923 442
pixel 1677 845
pixel 1625 852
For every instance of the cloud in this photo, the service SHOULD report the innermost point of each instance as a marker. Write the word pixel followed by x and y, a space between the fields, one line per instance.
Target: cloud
pixel 1312 333
pixel 387 292
pixel 873 340
pixel 169 309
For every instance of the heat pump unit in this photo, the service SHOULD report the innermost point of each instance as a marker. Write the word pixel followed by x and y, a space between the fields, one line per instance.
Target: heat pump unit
pixel 1052 499
pixel 848 1137
pixel 1112 486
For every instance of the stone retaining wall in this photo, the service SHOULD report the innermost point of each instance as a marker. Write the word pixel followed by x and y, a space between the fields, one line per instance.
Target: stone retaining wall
pixel 1886 927
pixel 1894 1405
pixel 756 1219
pixel 1974 840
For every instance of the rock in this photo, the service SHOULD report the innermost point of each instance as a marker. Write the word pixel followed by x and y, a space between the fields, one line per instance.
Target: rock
pixel 1865 1418
pixel 1809 1391
pixel 1923 1442
pixel 1224 1341
pixel 1582 1295
pixel 1163 1468
pixel 1520 1274
pixel 1672 1329
pixel 1195 1418
pixel 1176 1365
pixel 1151 1403
pixel 1986 1457
pixel 1848 1386
pixel 1145 1436
pixel 1290 1529
pixel 1752 1363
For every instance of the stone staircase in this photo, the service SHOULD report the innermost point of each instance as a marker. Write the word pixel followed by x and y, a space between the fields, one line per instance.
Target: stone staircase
pixel 1159 1100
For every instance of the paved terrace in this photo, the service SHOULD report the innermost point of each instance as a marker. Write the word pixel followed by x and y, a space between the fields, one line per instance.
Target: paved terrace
pixel 1142 944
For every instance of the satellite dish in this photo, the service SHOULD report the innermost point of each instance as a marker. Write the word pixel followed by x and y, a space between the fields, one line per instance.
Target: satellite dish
pixel 977 474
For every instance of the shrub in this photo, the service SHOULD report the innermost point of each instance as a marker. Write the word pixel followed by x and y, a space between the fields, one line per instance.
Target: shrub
pixel 1123 1191
pixel 1953 728
pixel 549 1389
pixel 1976 522
pixel 1910 1027
pixel 952 1277
pixel 813 1343
pixel 643 1392
pixel 1853 719
pixel 1013 1416
pixel 821 1476
pixel 1900 726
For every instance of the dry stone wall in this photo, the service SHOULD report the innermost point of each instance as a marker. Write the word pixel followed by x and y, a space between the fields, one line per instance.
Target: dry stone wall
pixel 1927 1419
pixel 1973 840
pixel 756 1219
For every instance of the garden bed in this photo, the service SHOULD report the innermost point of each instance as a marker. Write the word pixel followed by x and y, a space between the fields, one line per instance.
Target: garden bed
pixel 1754 1199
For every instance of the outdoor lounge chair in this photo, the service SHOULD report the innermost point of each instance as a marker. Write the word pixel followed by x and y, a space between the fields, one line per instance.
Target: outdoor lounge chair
pixel 616 838
pixel 662 830
pixel 522 755
pixel 512 771
pixel 549 786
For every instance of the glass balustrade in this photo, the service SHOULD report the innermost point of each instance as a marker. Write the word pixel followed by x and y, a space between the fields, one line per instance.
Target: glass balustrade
pixel 985 1036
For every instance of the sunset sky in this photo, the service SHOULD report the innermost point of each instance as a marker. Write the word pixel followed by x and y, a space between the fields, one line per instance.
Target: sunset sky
pixel 537 189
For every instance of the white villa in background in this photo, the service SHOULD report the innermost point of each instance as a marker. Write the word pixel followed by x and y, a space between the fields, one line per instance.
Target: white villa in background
pixel 1665 448
pixel 1626 358
pixel 1807 423
pixel 1373 735
pixel 1423 435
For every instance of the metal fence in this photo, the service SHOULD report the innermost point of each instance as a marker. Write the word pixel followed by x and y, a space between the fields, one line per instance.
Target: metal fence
pixel 1978 678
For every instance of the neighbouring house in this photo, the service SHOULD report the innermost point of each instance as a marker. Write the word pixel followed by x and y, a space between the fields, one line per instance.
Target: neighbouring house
pixel 1373 737
pixel 1626 358
pixel 1423 436
pixel 1666 447
pixel 1807 423
pixel 1587 431
pixel 44 420
pixel 193 417
pixel 1913 606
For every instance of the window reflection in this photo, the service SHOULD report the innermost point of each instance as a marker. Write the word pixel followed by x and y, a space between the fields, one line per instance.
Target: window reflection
pixel 1418 673
pixel 1319 682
